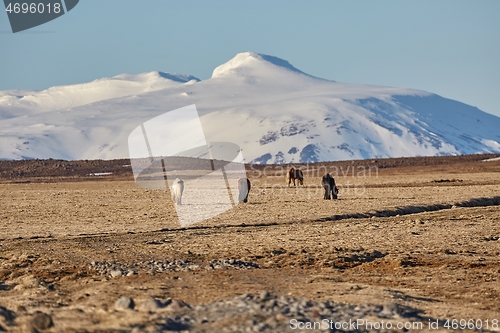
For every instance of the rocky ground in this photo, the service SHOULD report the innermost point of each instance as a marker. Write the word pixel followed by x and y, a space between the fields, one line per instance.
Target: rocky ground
pixel 411 246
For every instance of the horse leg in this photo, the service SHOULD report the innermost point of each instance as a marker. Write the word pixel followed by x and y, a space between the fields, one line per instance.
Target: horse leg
pixel 327 192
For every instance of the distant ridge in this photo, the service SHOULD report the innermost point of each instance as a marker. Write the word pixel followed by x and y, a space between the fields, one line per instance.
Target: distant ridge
pixel 28 170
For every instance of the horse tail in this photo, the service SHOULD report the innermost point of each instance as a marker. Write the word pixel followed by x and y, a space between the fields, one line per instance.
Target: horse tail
pixel 290 176
pixel 244 188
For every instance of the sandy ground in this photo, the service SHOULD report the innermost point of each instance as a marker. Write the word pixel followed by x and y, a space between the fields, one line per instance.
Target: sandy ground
pixel 366 247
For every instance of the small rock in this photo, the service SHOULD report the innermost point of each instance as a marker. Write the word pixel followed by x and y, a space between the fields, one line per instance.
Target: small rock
pixel 264 295
pixel 124 303
pixel 8 315
pixel 177 305
pixel 389 310
pixel 42 321
pixel 271 303
pixel 116 273
pixel 150 305
pixel 166 302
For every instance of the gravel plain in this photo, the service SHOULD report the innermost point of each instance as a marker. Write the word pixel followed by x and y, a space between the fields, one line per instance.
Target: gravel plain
pixel 409 245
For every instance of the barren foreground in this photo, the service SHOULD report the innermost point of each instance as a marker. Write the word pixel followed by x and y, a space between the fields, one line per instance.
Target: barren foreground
pixel 413 244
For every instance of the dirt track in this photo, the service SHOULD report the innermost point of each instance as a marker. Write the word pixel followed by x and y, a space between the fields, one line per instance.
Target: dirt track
pixel 365 248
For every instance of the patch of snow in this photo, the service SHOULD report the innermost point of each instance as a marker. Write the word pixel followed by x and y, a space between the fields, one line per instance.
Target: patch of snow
pixel 492 159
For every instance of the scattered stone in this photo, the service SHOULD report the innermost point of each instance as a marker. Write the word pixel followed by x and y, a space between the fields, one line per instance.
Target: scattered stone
pixel 263 312
pixel 232 263
pixel 114 269
pixel 42 321
pixel 124 303
pixel 269 313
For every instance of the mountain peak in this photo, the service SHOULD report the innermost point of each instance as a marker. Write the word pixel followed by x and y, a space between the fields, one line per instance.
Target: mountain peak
pixel 252 60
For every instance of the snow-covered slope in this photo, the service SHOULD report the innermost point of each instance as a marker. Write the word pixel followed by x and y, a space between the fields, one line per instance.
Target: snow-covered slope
pixel 15 102
pixel 275 112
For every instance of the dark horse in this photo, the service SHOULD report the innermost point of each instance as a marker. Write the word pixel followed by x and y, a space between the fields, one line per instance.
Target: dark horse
pixel 328 183
pixel 243 188
pixel 293 174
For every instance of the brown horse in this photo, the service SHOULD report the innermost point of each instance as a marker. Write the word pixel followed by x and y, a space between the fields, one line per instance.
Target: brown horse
pixel 243 188
pixel 328 183
pixel 294 174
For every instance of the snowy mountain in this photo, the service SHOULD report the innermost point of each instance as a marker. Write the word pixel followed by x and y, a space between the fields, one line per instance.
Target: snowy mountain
pixel 273 111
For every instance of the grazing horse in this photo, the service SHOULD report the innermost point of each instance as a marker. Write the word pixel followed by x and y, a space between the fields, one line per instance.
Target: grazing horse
pixel 177 189
pixel 293 174
pixel 243 188
pixel 328 183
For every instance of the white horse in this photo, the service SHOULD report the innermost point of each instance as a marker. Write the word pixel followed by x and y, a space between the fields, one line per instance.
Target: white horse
pixel 177 189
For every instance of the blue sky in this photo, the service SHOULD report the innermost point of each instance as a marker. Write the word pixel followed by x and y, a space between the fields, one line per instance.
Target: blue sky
pixel 451 48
